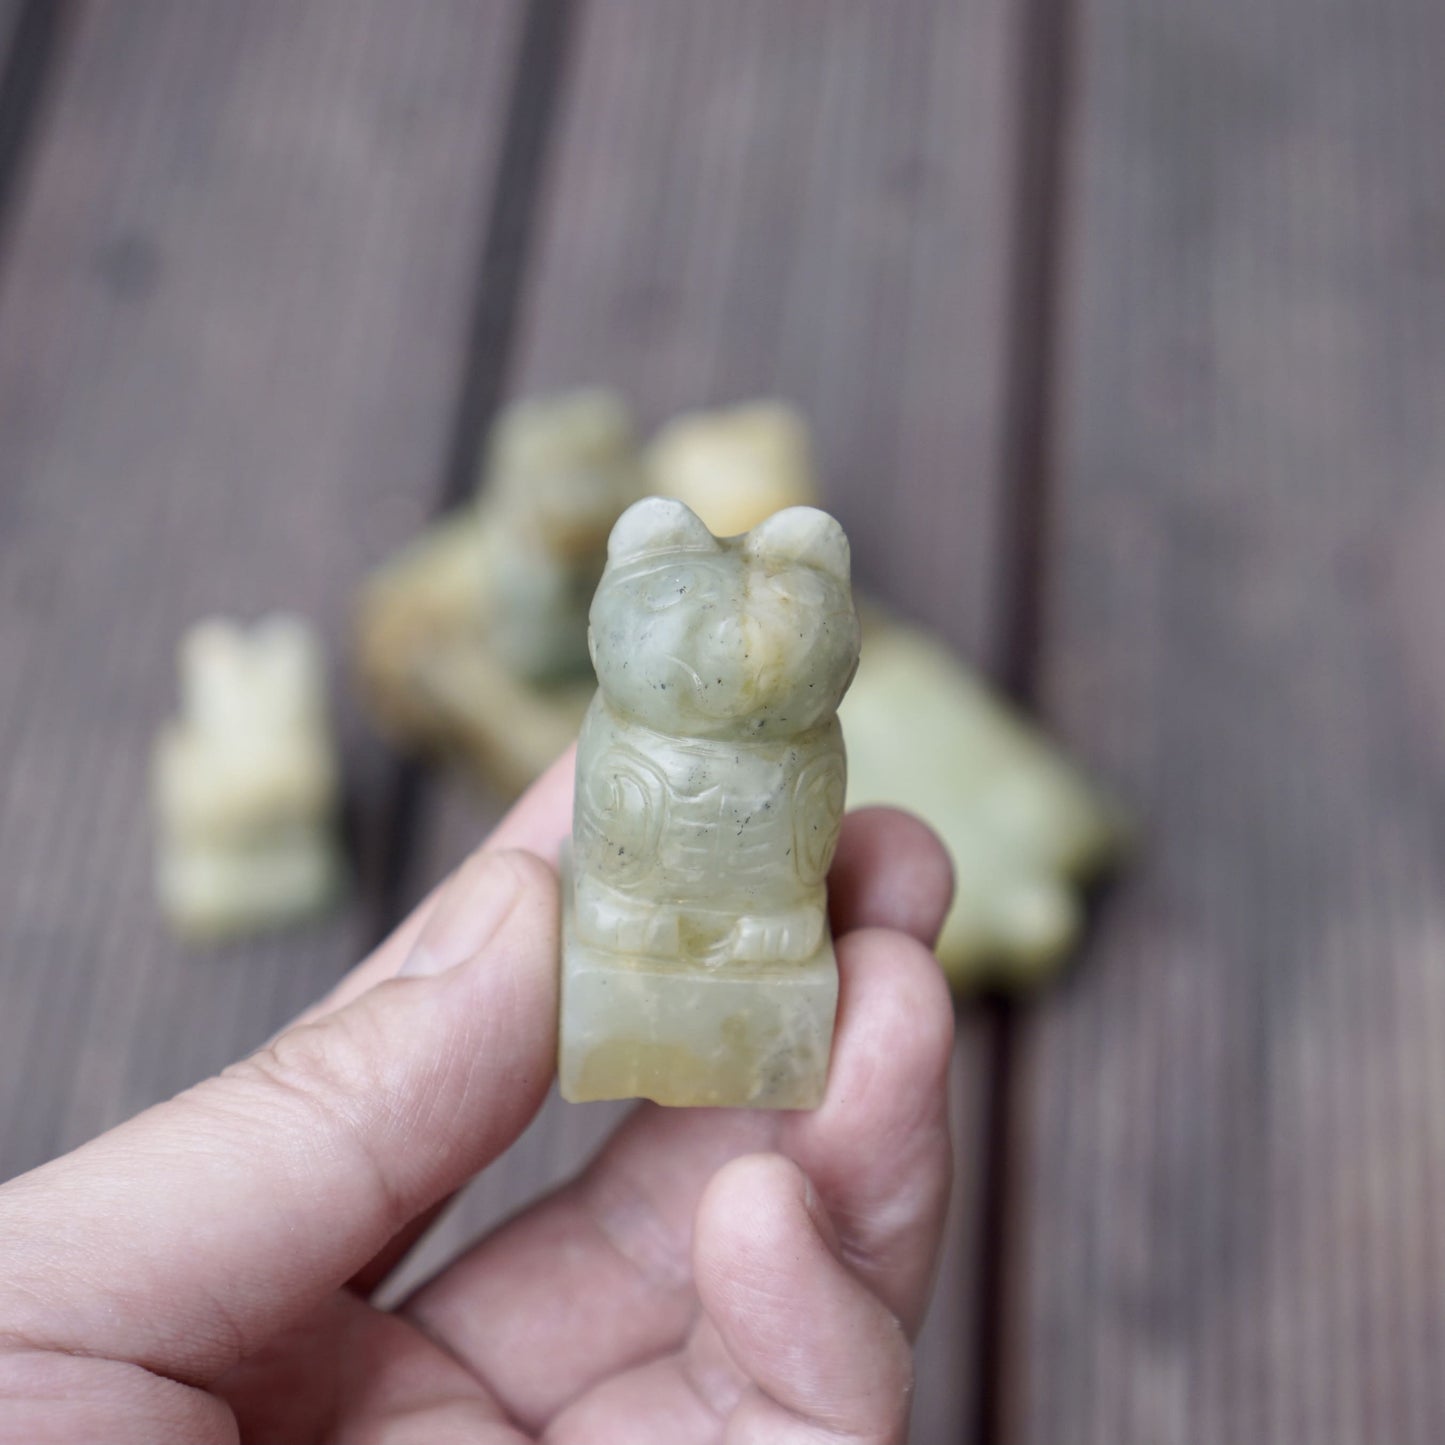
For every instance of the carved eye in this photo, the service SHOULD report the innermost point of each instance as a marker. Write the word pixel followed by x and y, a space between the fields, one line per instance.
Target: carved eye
pixel 669 588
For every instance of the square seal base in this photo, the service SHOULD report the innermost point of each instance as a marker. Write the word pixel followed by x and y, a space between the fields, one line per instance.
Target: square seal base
pixel 757 1037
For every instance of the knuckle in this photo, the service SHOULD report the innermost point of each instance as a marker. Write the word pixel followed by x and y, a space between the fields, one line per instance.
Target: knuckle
pixel 319 1065
pixel 323 1088
pixel 512 868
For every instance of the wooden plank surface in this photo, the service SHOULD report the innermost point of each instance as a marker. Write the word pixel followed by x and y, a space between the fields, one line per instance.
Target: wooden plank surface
pixel 807 200
pixel 1230 1136
pixel 232 321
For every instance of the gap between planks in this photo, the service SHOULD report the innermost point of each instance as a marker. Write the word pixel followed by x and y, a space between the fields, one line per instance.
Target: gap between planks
pixel 1043 85
pixel 31 32
pixel 506 254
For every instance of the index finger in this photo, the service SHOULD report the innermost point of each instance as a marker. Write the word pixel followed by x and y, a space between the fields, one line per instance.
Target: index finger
pixel 536 823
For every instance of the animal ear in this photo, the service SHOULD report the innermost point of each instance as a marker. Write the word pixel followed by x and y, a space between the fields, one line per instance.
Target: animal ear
pixel 805 535
pixel 657 524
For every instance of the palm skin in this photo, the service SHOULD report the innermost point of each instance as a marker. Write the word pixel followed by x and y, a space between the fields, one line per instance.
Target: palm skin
pixel 203 1273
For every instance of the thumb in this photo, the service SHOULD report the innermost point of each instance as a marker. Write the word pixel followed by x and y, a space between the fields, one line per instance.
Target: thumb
pixel 184 1238
pixel 824 1356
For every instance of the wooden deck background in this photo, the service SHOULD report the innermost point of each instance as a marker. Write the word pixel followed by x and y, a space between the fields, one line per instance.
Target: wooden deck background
pixel 1122 323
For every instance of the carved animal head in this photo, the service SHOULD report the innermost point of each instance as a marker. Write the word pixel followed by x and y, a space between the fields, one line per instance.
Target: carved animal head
pixel 750 637
pixel 247 688
pixel 558 471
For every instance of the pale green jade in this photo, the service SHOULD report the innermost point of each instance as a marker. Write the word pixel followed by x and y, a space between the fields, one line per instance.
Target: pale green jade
pixel 246 782
pixel 558 471
pixel 697 963
pixel 1024 828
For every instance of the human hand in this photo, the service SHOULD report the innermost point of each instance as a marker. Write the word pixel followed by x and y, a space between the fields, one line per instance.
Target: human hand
pixel 202 1273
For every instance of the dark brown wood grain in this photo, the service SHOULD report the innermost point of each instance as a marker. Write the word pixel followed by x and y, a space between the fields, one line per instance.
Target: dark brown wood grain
pixel 31 35
pixel 10 11
pixel 232 322
pixel 807 200
pixel 1229 1123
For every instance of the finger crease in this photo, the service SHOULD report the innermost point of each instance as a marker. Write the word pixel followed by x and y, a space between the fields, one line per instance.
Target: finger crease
pixel 632 1225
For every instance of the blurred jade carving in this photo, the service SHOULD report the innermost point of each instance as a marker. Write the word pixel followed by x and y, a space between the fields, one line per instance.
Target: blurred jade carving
pixel 698 966
pixel 1023 826
pixel 246 782
pixel 734 466
pixel 558 472
pixel 472 641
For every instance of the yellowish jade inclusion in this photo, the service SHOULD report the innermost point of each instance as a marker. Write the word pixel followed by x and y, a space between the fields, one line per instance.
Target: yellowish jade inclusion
pixel 697 964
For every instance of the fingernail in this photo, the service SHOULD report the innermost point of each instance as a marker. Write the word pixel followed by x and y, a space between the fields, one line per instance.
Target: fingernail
pixel 468 915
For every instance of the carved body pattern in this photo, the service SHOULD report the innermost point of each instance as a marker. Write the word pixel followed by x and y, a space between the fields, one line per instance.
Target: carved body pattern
pixel 721 845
